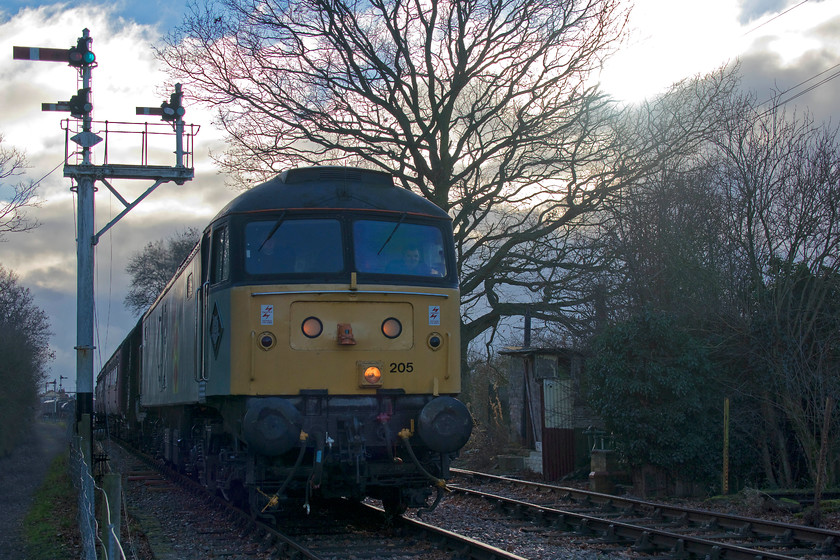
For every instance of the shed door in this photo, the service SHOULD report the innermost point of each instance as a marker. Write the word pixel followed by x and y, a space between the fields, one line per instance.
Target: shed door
pixel 558 446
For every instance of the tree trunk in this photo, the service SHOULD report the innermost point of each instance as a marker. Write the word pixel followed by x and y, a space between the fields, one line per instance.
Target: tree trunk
pixel 820 482
pixel 769 473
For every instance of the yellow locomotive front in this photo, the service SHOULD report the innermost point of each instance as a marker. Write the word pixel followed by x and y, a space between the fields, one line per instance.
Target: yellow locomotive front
pixel 327 337
pixel 353 337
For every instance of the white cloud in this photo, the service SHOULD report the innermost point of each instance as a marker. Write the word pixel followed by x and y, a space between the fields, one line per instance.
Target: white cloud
pixel 671 41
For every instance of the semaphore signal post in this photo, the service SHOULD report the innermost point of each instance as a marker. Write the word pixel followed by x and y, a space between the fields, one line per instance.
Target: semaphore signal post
pixel 85 173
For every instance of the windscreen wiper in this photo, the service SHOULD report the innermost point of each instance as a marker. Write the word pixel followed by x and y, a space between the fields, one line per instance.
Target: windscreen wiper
pixel 273 230
pixel 393 231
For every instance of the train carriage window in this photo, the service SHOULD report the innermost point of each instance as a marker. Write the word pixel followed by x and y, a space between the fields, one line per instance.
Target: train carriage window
pixel 220 270
pixel 399 248
pixel 294 246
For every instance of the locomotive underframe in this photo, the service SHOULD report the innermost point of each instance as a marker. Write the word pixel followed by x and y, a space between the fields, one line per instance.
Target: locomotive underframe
pixel 349 446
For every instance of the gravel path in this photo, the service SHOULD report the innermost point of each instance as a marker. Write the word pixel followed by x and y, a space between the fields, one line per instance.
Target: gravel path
pixel 21 473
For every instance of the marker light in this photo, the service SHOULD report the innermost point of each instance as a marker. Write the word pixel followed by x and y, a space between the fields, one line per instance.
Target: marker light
pixel 391 328
pixel 370 374
pixel 435 341
pixel 312 327
pixel 373 376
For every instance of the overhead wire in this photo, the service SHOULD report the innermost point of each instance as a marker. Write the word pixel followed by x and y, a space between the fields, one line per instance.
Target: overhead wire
pixel 803 92
pixel 803 82
pixel 822 82
pixel 777 16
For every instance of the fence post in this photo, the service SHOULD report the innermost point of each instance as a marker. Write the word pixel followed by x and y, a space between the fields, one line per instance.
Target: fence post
pixel 725 480
pixel 83 429
pixel 110 522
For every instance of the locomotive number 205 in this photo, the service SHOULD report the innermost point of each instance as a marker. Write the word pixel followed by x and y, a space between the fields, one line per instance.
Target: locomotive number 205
pixel 402 367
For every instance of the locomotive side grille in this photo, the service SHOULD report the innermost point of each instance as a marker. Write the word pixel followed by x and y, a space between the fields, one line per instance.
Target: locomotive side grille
pixel 329 174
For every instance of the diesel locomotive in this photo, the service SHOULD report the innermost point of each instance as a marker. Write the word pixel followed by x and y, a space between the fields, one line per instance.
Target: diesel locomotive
pixel 308 347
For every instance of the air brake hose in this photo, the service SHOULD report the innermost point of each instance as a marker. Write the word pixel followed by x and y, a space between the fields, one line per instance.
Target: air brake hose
pixel 317 471
pixel 298 461
pixel 319 464
pixel 303 437
pixel 440 484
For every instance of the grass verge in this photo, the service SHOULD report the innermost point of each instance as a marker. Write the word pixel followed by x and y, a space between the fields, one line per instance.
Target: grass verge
pixel 50 527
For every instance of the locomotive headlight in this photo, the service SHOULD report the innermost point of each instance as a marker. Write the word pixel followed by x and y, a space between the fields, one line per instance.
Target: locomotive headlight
pixel 391 327
pixel 370 374
pixel 312 327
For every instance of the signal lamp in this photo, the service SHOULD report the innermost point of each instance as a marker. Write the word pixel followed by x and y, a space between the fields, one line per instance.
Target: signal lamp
pixel 391 327
pixel 81 55
pixel 80 104
pixel 174 109
pixel 312 327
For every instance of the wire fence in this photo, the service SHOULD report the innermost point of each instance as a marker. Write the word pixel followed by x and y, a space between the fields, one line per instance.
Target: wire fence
pixel 81 474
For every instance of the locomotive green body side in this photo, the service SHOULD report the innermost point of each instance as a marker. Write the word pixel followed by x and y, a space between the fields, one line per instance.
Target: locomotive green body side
pixel 169 342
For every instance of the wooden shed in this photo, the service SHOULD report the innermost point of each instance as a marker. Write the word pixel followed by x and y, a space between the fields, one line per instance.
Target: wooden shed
pixel 543 411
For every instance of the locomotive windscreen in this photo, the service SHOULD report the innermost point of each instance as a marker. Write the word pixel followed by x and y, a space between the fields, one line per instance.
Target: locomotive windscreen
pixel 300 246
pixel 398 248
pixel 307 246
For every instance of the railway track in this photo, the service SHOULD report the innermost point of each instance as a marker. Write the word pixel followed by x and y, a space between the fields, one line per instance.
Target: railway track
pixel 649 527
pixel 357 530
pixel 333 530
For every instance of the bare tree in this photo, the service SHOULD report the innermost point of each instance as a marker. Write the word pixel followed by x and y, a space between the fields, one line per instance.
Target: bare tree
pixel 780 176
pixel 15 198
pixel 486 108
pixel 669 245
pixel 153 267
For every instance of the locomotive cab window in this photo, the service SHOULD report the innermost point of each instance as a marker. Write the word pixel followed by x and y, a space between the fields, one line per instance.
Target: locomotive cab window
pixel 397 247
pixel 220 270
pixel 294 246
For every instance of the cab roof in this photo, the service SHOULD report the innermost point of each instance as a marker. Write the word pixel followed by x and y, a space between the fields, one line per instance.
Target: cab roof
pixel 331 188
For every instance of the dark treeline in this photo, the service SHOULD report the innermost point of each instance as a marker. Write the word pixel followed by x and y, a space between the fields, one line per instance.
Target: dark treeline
pixel 24 355
pixel 734 252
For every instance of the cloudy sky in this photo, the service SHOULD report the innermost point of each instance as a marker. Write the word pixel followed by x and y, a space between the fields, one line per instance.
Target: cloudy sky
pixel 781 44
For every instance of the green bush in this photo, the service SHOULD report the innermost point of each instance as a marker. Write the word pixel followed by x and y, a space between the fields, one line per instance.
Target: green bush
pixel 653 384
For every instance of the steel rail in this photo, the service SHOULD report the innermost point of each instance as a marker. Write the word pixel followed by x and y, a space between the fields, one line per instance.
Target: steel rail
pixel 645 539
pixel 288 546
pixel 818 541
pixel 465 546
